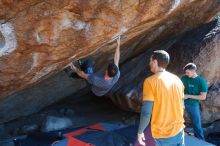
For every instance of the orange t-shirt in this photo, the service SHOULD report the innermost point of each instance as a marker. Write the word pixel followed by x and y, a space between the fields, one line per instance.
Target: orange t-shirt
pixel 166 91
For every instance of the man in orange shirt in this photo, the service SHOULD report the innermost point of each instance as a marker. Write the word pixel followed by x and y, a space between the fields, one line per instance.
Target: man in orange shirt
pixel 163 95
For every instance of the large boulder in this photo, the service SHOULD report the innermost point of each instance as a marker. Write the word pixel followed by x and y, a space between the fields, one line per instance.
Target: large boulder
pixel 211 106
pixel 39 38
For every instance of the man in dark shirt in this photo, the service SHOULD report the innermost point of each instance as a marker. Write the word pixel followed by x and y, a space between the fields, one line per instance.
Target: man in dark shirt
pixel 101 84
pixel 196 89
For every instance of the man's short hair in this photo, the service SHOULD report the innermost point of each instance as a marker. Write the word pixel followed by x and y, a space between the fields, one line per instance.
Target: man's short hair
pixel 162 57
pixel 112 70
pixel 190 66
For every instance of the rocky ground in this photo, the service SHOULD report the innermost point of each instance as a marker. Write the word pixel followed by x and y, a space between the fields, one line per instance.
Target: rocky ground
pixel 74 111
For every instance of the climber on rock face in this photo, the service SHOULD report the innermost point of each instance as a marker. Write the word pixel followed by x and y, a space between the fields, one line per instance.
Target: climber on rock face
pixel 100 84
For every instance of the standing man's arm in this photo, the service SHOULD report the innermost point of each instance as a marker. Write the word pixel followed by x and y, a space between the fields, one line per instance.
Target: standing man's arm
pixel 203 91
pixel 146 112
pixel 117 52
pixel 202 96
pixel 79 72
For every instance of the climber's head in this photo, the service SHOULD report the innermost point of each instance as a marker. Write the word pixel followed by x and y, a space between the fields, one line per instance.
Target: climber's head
pixel 112 70
pixel 190 70
pixel 159 59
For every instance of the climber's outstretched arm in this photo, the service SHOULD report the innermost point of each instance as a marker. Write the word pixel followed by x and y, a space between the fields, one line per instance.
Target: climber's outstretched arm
pixel 117 52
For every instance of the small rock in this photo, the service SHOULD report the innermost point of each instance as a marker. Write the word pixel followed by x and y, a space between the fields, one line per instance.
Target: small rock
pixel 56 123
pixel 213 128
pixel 29 128
pixel 67 112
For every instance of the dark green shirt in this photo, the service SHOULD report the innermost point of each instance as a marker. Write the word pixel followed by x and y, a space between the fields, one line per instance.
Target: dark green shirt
pixel 194 86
